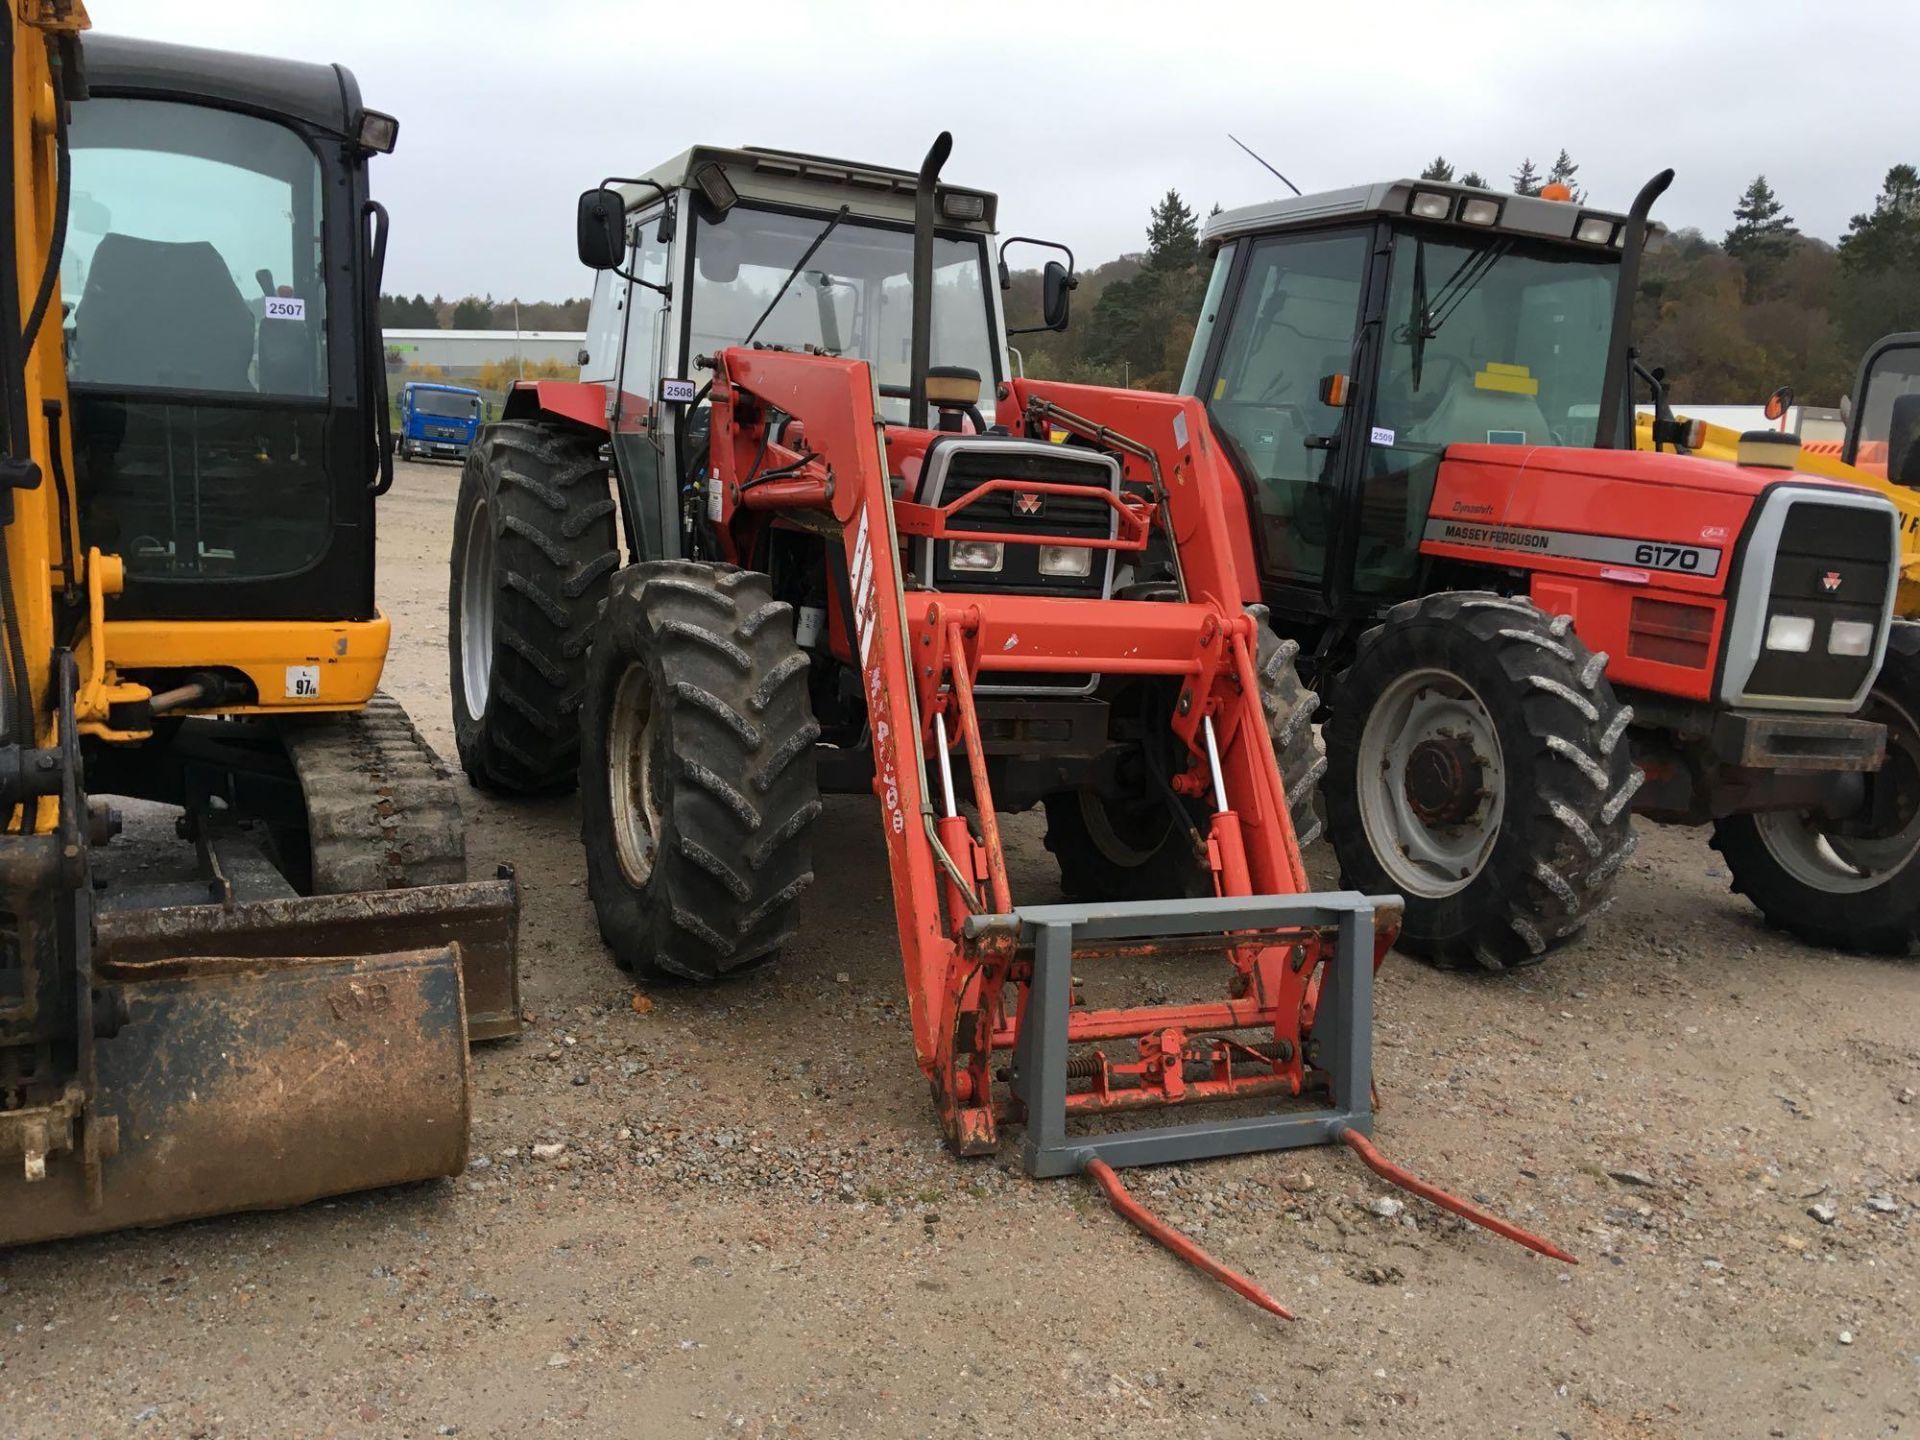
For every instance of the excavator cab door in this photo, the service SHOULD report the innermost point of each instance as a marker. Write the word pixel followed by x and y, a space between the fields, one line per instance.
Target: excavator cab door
pixel 215 281
pixel 1883 428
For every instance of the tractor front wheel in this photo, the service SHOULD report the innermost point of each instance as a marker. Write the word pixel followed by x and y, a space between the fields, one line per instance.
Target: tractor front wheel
pixel 697 785
pixel 1850 884
pixel 1478 766
pixel 1137 849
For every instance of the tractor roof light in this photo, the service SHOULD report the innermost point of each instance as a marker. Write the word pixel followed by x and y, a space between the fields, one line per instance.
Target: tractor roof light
pixel 1430 205
pixel 1479 210
pixel 962 205
pixel 1594 230
pixel 378 131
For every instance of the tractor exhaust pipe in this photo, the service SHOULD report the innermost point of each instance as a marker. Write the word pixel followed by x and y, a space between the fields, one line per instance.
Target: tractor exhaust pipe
pixel 922 352
pixel 1616 390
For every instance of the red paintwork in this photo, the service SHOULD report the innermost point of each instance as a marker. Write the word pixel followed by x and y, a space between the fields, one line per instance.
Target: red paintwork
pixel 1633 494
pixel 919 654
pixel 578 402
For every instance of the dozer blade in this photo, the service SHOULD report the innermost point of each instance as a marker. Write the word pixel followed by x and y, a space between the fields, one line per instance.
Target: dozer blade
pixel 228 1083
pixel 480 919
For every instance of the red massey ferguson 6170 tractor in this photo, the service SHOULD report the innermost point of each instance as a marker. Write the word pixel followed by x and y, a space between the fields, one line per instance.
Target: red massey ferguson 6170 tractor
pixel 1523 629
pixel 844 578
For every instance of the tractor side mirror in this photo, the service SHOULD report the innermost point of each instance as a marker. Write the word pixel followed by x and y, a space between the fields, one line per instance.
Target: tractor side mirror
pixel 1057 284
pixel 1334 391
pixel 1779 403
pixel 601 232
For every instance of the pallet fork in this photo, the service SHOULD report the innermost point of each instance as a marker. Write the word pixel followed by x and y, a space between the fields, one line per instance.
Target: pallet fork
pixel 990 983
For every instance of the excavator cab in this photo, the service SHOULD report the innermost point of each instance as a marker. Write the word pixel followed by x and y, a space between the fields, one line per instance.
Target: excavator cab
pixel 196 432
pixel 1883 422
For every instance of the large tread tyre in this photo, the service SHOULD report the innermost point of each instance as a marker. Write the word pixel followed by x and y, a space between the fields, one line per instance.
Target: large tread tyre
pixel 697 781
pixel 1841 886
pixel 534 543
pixel 1521 776
pixel 1106 855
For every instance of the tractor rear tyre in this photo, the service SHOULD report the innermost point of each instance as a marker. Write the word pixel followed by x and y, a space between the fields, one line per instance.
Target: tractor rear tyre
pixel 1478 766
pixel 1851 884
pixel 533 545
pixel 1107 850
pixel 697 784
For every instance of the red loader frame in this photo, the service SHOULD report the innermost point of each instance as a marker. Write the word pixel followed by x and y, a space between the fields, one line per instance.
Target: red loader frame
pixel 989 982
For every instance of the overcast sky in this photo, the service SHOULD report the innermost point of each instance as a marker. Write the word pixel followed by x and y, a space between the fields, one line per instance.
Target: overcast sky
pixel 1082 114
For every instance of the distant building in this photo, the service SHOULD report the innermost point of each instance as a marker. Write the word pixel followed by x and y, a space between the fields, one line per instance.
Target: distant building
pixel 463 352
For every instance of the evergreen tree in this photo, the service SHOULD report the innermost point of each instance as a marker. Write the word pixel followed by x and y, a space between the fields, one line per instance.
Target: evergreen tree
pixel 1889 235
pixel 1473 179
pixel 1437 169
pixel 1526 180
pixel 1762 229
pixel 421 315
pixel 1562 172
pixel 472 313
pixel 1173 235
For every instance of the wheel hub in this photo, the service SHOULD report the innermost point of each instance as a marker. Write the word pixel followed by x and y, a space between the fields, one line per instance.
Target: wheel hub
pixel 1445 779
pixel 1431 783
pixel 630 779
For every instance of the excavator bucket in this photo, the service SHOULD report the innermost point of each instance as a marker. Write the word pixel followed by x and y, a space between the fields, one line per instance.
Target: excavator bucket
pixel 232 1070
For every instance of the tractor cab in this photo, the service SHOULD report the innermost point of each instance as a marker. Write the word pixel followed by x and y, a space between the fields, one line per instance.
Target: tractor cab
pixel 1348 339
pixel 727 246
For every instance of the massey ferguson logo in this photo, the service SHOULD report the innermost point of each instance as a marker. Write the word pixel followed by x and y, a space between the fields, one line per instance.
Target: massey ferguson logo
pixel 1027 502
pixel 1830 581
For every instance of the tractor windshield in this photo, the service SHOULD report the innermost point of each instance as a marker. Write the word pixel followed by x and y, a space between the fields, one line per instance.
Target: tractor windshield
pixel 854 298
pixel 1495 342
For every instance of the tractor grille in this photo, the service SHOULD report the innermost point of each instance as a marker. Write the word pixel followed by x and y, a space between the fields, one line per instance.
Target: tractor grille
pixel 955 465
pixel 1832 564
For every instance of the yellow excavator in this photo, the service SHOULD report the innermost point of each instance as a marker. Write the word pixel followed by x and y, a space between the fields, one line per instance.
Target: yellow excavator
pixel 1880 450
pixel 193 409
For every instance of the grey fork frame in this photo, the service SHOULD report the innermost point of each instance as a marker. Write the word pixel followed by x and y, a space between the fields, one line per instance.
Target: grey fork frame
pixel 1342 1043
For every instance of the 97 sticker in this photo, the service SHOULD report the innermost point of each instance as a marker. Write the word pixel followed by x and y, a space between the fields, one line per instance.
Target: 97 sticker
pixel 303 682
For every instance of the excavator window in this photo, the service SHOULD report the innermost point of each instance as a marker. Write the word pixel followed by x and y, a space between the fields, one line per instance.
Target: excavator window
pixel 196 340
pixel 1887 413
pixel 1488 341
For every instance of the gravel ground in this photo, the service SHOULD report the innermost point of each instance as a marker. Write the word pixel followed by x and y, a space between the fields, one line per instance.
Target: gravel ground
pixel 726 1213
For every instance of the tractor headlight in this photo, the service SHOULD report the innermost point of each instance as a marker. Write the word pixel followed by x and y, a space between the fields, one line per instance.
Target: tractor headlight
pixel 1071 561
pixel 1476 211
pixel 980 557
pixel 1850 637
pixel 1430 206
pixel 1791 633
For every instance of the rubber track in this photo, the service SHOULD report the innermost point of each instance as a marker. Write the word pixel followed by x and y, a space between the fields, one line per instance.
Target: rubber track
pixel 383 812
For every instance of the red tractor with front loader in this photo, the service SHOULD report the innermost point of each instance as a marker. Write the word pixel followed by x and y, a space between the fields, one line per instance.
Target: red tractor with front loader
pixel 1524 630
pixel 842 577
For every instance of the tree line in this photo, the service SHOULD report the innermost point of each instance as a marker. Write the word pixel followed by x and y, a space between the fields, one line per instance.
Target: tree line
pixel 475 312
pixel 1728 317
